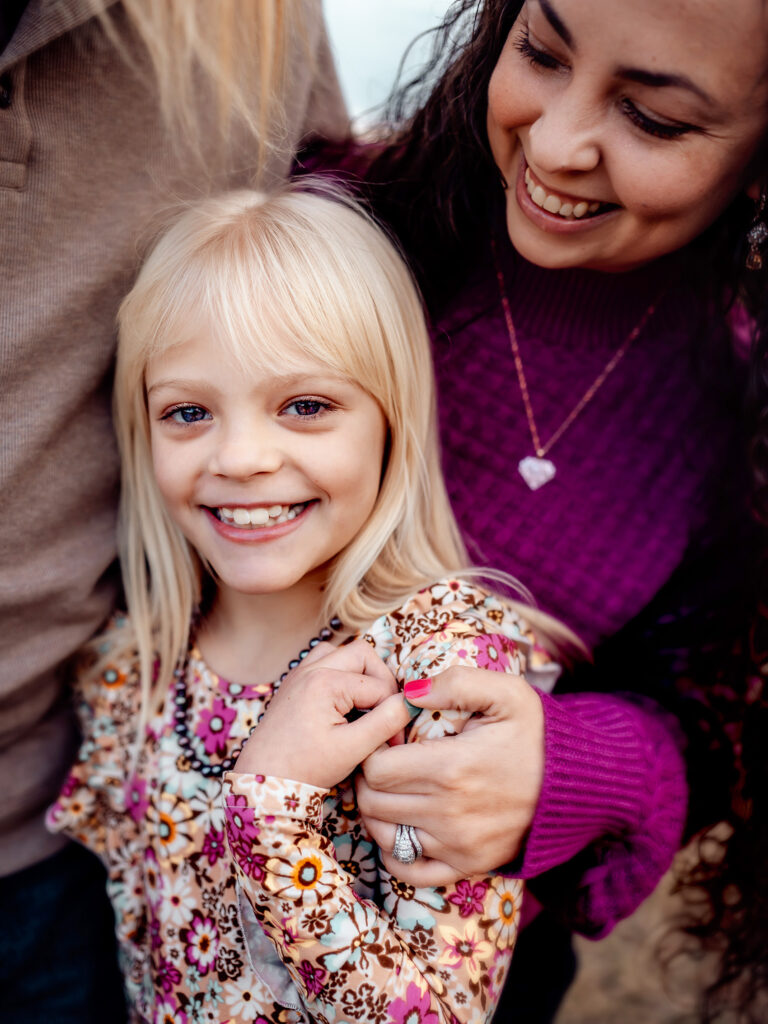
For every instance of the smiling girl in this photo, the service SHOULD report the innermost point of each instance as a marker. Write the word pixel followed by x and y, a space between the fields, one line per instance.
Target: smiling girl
pixel 281 493
pixel 580 186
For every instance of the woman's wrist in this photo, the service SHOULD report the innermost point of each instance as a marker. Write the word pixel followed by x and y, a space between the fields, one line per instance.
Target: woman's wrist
pixel 604 760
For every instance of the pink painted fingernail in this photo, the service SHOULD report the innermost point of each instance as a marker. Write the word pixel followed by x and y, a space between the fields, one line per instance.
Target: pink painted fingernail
pixel 417 688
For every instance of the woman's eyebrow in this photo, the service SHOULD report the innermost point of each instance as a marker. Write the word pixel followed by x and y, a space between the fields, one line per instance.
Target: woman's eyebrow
pixel 660 79
pixel 556 22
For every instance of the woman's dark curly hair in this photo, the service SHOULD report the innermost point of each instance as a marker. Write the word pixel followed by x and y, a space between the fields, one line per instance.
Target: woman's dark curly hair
pixel 433 181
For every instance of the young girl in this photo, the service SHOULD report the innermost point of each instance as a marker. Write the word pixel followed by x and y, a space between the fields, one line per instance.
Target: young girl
pixel 281 492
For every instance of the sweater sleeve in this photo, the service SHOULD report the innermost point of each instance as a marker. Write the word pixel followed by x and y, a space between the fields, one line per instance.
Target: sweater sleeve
pixel 611 812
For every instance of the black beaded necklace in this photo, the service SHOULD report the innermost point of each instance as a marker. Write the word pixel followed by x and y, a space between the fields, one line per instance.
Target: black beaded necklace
pixel 181 702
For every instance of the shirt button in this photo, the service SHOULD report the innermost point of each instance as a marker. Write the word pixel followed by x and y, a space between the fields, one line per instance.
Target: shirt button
pixel 6 90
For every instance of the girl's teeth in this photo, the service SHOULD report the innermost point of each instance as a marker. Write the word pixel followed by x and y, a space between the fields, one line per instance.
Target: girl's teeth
pixel 552 204
pixel 272 515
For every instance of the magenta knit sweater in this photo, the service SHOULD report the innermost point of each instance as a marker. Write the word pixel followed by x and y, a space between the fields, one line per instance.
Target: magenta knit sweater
pixel 595 545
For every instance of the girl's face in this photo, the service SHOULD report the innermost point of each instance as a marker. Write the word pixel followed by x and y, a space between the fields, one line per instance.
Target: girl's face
pixel 623 128
pixel 268 476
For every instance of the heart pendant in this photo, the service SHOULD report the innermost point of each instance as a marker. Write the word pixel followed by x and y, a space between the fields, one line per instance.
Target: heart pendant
pixel 535 471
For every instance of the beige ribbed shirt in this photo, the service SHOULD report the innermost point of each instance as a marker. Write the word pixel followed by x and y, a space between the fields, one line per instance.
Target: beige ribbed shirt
pixel 85 169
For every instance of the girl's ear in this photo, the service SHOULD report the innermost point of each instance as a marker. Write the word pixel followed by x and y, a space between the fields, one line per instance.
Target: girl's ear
pixel 753 190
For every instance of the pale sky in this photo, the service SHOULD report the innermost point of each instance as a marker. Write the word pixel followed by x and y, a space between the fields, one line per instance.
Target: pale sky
pixel 370 36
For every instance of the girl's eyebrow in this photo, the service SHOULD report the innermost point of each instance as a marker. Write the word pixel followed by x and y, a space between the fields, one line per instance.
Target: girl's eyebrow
pixel 282 380
pixel 175 382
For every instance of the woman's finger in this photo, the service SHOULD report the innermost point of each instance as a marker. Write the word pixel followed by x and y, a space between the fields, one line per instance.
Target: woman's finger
pixel 427 869
pixel 478 691
pixel 423 768
pixel 394 808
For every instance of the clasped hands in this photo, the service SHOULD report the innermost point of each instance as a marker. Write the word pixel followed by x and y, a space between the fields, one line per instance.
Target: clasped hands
pixel 471 797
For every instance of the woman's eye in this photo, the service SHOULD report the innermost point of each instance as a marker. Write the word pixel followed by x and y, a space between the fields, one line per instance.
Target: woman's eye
pixel 306 408
pixel 186 414
pixel 649 125
pixel 535 56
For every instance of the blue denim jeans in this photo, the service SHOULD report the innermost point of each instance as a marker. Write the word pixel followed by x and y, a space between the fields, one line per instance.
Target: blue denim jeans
pixel 58 961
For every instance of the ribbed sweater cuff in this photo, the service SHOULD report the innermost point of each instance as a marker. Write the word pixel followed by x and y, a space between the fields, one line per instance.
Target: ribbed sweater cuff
pixel 603 759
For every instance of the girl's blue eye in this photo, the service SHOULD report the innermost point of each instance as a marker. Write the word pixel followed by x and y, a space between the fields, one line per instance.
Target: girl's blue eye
pixel 186 414
pixel 306 407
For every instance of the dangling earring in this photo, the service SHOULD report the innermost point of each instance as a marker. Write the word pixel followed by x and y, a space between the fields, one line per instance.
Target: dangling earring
pixel 757 234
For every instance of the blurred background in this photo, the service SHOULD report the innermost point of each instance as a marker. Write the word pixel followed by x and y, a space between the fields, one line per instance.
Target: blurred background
pixel 369 38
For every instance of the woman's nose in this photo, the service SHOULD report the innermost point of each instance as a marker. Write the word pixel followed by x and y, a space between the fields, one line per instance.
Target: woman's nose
pixel 246 450
pixel 566 135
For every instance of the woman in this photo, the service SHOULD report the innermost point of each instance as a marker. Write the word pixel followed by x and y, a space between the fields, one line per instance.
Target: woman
pixel 581 194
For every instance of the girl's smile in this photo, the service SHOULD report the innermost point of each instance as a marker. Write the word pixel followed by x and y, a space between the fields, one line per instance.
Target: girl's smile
pixel 624 129
pixel 258 523
pixel 269 473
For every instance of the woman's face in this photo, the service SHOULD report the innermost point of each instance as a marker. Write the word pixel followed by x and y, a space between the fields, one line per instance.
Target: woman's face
pixel 623 128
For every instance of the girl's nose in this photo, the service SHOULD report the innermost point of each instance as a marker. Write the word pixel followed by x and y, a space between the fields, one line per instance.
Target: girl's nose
pixel 246 451
pixel 566 135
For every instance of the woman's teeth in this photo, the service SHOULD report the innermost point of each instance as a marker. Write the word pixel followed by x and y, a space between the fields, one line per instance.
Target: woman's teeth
pixel 553 204
pixel 270 515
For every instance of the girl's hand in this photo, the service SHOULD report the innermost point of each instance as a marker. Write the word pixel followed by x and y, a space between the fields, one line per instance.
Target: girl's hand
pixel 471 797
pixel 305 735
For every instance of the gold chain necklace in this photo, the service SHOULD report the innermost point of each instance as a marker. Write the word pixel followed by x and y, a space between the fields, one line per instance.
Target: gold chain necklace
pixel 537 470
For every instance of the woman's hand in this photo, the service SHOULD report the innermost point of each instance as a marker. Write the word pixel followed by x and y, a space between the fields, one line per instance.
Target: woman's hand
pixel 472 796
pixel 305 735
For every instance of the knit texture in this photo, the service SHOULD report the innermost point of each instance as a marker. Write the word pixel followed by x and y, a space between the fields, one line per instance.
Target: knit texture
pixel 633 470
pixel 611 770
pixel 640 474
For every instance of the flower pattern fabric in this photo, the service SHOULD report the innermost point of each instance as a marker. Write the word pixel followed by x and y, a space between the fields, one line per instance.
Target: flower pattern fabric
pixel 258 899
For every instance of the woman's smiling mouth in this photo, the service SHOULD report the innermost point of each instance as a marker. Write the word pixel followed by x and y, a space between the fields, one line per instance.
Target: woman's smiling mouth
pixel 569 207
pixel 557 213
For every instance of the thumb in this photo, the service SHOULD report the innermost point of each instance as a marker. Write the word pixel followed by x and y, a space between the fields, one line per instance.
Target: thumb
pixel 477 690
pixel 376 727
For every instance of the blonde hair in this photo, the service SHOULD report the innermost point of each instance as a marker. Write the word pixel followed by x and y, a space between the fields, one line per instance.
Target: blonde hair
pixel 239 48
pixel 303 263
pixel 306 265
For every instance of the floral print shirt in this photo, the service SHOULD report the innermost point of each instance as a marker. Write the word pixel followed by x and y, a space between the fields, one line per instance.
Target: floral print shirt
pixel 259 899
